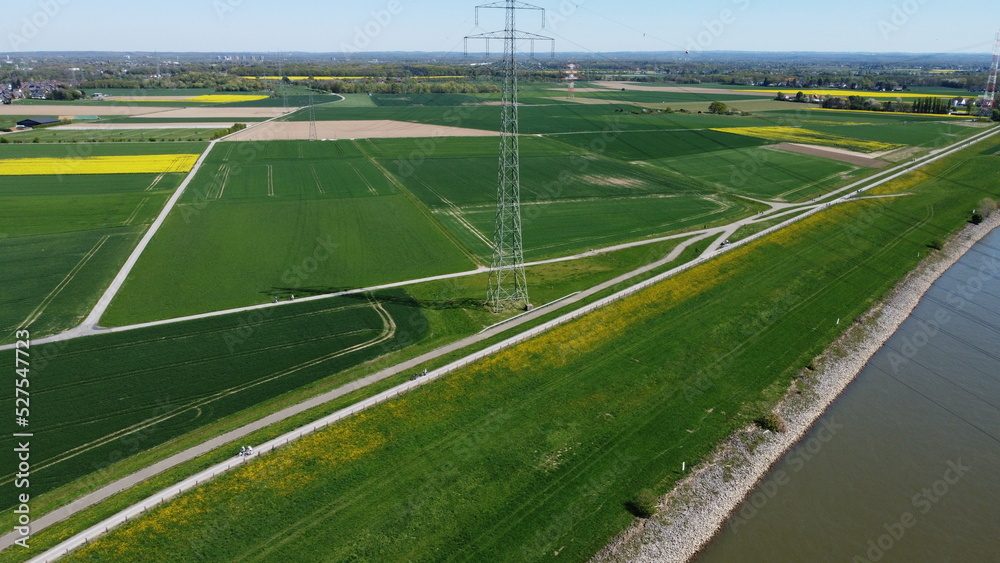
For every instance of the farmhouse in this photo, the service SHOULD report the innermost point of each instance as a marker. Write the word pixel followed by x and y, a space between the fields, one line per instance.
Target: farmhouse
pixel 36 121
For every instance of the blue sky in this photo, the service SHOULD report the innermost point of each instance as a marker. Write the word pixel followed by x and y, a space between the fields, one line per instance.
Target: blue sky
pixel 578 25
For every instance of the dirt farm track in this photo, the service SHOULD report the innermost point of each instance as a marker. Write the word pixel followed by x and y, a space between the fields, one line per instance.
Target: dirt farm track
pixel 333 130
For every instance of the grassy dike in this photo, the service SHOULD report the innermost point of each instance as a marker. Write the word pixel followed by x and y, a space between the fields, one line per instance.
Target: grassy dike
pixel 535 453
pixel 449 308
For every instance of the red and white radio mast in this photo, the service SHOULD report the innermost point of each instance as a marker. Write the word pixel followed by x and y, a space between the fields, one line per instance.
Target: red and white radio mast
pixel 571 77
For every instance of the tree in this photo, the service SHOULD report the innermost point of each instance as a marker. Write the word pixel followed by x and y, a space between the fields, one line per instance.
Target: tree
pixel 800 97
pixel 644 504
pixel 718 108
pixel 835 103
pixel 996 115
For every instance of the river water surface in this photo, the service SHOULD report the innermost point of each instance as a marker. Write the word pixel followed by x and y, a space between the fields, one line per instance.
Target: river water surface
pixel 905 465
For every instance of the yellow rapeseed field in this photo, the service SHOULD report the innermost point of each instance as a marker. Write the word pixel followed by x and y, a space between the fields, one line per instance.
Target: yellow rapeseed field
pixel 845 93
pixel 798 135
pixel 340 77
pixel 935 115
pixel 141 164
pixel 226 98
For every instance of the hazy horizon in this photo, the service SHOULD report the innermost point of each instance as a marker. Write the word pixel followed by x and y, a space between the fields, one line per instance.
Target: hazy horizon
pixel 578 26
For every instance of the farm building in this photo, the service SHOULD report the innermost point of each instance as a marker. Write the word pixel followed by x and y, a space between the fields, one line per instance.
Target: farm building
pixel 36 121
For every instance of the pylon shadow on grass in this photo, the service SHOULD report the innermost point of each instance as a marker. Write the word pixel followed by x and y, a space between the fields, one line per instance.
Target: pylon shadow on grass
pixel 389 296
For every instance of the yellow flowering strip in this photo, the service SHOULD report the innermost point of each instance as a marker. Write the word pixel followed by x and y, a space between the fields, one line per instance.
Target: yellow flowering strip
pixel 806 136
pixel 846 93
pixel 899 114
pixel 207 98
pixel 281 475
pixel 141 164
pixel 341 77
pixel 226 98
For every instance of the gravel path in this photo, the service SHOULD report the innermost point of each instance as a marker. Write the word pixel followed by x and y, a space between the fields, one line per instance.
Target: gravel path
pixel 699 506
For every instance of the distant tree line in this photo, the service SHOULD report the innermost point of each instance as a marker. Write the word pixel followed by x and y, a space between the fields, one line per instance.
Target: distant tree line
pixel 930 104
pixel 65 94
pixel 402 87
pixel 209 80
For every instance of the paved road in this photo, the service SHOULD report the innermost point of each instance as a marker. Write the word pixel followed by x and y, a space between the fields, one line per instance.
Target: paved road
pixel 809 208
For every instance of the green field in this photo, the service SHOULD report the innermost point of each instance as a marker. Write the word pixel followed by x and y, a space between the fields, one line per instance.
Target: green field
pixel 534 119
pixel 63 238
pixel 553 437
pixel 271 220
pixel 83 150
pixel 592 176
pixel 760 172
pixel 648 97
pixel 159 383
pixel 114 136
pixel 571 203
pixel 533 454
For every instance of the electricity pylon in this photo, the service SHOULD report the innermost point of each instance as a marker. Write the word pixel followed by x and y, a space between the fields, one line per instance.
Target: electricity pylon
pixel 313 135
pixel 990 96
pixel 508 288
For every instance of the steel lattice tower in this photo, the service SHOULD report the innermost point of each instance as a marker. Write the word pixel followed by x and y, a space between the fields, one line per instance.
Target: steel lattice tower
pixel 313 135
pixel 508 288
pixel 990 96
pixel 281 82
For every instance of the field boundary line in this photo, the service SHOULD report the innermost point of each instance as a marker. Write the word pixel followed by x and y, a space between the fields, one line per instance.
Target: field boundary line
pixel 33 316
pixel 270 180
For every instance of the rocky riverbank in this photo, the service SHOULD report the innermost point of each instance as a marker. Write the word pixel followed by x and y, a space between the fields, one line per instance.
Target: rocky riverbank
pixel 697 508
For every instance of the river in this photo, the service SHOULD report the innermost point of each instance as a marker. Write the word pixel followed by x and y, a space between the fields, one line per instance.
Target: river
pixel 905 465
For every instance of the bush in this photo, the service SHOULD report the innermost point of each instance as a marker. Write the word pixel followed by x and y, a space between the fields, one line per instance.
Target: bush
pixel 987 207
pixel 977 218
pixel 772 421
pixel 718 108
pixel 935 244
pixel 644 504
pixel 4 140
